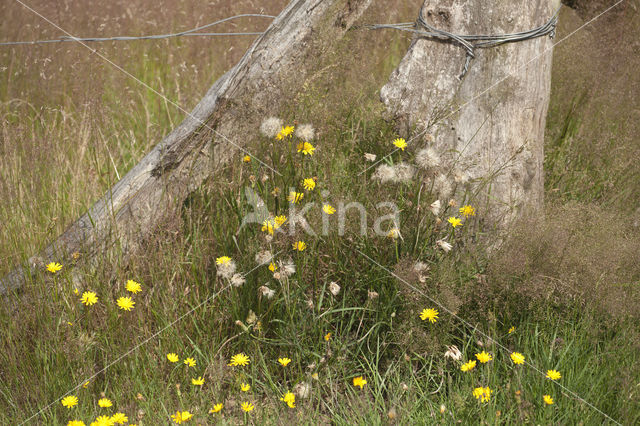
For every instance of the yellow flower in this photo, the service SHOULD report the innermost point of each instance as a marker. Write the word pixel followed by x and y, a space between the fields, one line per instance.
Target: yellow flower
pixel 327 337
pixel 246 159
pixel 180 417
pixel 468 366
pixel 547 399
pixel 328 209
pixel 120 418
pixel 484 357
pixel 359 381
pixel 517 358
pixel 69 401
pixel 89 298
pixel 223 260
pixel 299 245
pixel 76 291
pixel 400 143
pixel 512 329
pixel 240 360
pixel 197 382
pixel 102 421
pixel 273 266
pixel 268 227
pixel 85 384
pixel 290 399
pixel 172 357
pixel 467 211
pixel 295 197
pixel 394 233
pixel 244 387
pixel 54 267
pixel 126 303
pixel 216 408
pixel 76 423
pixel 279 220
pixel 314 376
pixel 284 361
pixel 306 148
pixel 483 394
pixel 553 374
pixel 190 362
pixel 454 221
pixel 247 406
pixel 309 184
pixel 133 287
pixel 105 402
pixel 284 132
pixel 429 314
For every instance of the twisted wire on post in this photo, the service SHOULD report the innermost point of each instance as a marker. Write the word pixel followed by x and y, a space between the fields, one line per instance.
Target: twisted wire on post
pixel 192 32
pixel 470 42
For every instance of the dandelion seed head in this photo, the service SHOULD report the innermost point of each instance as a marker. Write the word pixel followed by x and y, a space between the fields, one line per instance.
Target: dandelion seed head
pixel 445 246
pixel 461 177
pixel 404 172
pixel 237 280
pixel 334 288
pixel 271 126
pixel 384 173
pixel 453 352
pixel 264 257
pixel 226 270
pixel 370 157
pixel 435 207
pixel 306 132
pixel 427 159
pixel 442 186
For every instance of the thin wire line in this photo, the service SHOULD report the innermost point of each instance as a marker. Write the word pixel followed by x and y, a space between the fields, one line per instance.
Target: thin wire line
pixel 474 328
pixel 140 344
pixel 152 89
pixel 191 32
pixel 483 92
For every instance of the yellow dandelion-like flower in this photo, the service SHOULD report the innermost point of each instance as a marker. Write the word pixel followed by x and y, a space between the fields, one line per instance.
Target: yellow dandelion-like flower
pixel 468 366
pixel 54 267
pixel 400 143
pixel 245 387
pixel 429 314
pixel 512 329
pixel 454 221
pixel 299 245
pixel 69 401
pixel 279 220
pixel 394 233
pixel 239 360
pixel 89 298
pixel 547 399
pixel 120 418
pixel 86 384
pixel 467 211
pixel 295 197
pixel 246 159
pixel 284 361
pixel 517 358
pixel 484 357
pixel 197 382
pixel 216 408
pixel 133 287
pixel 223 260
pixel 553 374
pixel 173 357
pixel 126 303
pixel 190 362
pixel 105 402
pixel 359 381
pixel 306 148
pixel 309 184
pixel 247 407
pixel 327 337
pixel 273 267
pixel 328 209
pixel 483 394
pixel 181 417
pixel 76 423
pixel 290 399
pixel 268 227
pixel 102 421
pixel 284 132
pixel 76 291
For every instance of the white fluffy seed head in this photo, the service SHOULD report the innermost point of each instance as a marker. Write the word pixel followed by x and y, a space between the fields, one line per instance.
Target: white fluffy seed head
pixel 334 288
pixel 264 257
pixel 384 173
pixel 445 246
pixel 435 207
pixel 266 292
pixel 271 126
pixel 427 159
pixel 302 390
pixel 442 186
pixel 226 270
pixel 461 177
pixel 305 132
pixel 404 172
pixel 370 157
pixel 237 280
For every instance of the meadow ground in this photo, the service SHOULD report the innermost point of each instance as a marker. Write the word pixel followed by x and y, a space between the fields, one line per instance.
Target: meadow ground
pixel 355 314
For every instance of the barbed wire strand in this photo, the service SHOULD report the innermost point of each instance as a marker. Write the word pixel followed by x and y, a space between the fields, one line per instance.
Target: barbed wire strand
pixel 194 32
